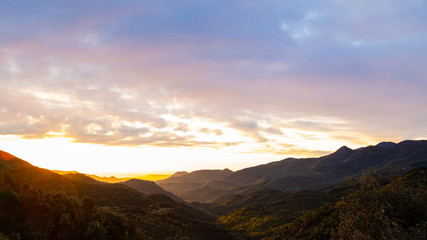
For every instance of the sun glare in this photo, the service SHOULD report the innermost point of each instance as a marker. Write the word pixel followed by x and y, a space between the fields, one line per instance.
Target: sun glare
pixel 63 154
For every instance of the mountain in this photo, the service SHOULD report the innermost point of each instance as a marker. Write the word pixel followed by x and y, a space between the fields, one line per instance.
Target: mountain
pixel 142 186
pixel 37 203
pixel 78 185
pixel 179 174
pixel 148 188
pixel 81 177
pixel 292 174
pixel 386 144
pixel 182 182
pixel 113 179
pixel 76 174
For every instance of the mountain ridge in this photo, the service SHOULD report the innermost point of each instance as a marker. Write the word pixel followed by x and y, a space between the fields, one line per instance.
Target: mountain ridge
pixel 184 181
pixel 293 174
pixel 149 187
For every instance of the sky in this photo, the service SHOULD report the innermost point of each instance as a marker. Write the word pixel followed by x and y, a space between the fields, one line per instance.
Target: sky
pixel 130 86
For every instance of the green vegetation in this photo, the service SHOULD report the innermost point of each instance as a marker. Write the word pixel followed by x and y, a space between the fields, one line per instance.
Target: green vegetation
pixel 292 213
pixel 375 207
pixel 395 211
pixel 318 224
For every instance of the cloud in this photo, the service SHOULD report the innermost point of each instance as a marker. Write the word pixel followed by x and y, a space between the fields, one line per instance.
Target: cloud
pixel 291 150
pixel 269 73
pixel 216 132
pixel 302 29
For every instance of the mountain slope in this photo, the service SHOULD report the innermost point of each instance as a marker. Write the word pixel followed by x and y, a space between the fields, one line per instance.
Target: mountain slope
pixel 183 182
pixel 293 174
pixel 148 188
pixel 29 193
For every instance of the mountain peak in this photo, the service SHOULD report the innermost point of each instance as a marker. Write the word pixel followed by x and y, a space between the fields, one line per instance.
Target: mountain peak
pixel 344 150
pixel 180 173
pixel 386 144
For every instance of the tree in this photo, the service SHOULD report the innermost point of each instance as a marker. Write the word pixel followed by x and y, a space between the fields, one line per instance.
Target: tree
pixel 397 210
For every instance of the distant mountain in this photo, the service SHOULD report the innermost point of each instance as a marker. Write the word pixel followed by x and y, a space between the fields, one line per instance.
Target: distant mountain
pixel 148 188
pixel 81 177
pixel 179 174
pixel 386 144
pixel 113 179
pixel 76 174
pixel 292 174
pixel 182 182
pixel 142 186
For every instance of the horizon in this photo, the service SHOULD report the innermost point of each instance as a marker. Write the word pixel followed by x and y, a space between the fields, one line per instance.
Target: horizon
pixel 154 87
pixel 159 175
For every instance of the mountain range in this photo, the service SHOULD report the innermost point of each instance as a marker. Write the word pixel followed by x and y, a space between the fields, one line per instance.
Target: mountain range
pixel 258 202
pixel 293 174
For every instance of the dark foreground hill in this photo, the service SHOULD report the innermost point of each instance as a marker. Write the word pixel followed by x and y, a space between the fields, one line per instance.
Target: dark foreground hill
pixel 37 203
pixel 292 175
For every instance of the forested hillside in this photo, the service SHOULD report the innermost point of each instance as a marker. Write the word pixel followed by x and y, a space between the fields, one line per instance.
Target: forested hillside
pixel 374 207
pixel 39 204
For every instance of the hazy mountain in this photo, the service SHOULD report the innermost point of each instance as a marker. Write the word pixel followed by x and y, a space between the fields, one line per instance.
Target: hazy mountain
pixel 292 174
pixel 204 194
pixel 75 174
pixel 82 178
pixel 142 186
pixel 179 174
pixel 113 179
pixel 182 182
pixel 149 187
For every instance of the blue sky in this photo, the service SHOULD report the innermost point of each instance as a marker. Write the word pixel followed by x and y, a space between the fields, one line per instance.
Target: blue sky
pixel 271 78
